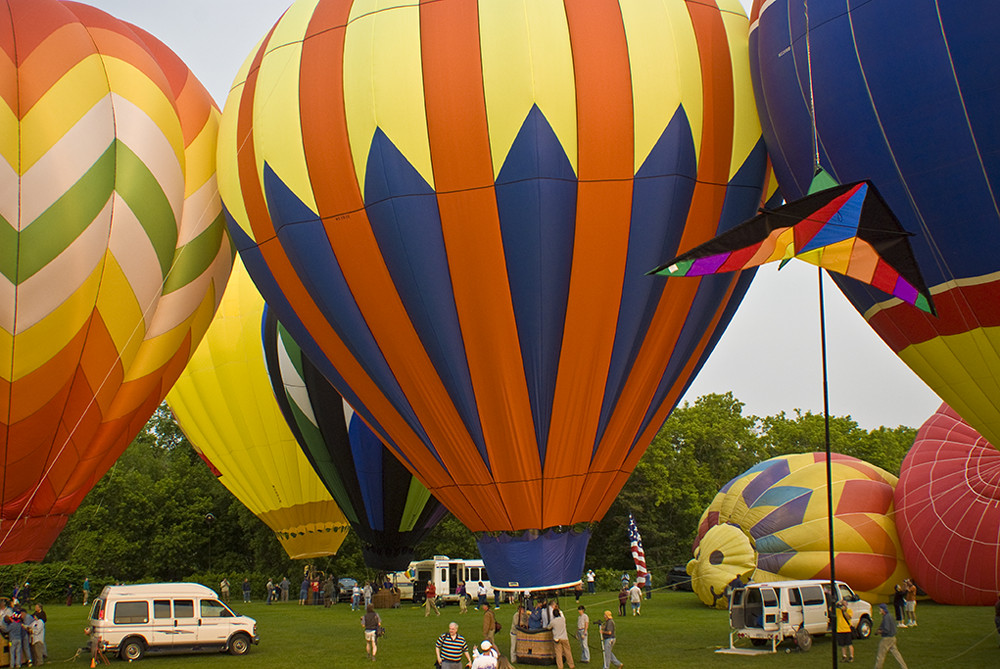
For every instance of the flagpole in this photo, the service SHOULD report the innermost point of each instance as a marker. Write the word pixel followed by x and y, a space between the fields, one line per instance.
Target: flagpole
pixel 829 468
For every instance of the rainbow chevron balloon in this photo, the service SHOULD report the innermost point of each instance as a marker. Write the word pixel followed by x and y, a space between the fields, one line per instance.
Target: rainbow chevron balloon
pixel 114 254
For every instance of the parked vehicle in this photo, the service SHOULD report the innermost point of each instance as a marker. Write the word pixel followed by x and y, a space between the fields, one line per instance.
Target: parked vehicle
pixel 775 611
pixel 446 573
pixel 131 620
pixel 345 588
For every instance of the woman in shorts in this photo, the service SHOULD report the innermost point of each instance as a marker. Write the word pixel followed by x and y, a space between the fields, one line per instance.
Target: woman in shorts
pixel 371 622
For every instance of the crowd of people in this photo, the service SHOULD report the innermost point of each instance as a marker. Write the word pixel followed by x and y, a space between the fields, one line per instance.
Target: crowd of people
pixel 24 628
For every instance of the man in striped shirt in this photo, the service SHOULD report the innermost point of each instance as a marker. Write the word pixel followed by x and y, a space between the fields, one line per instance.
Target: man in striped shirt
pixel 450 647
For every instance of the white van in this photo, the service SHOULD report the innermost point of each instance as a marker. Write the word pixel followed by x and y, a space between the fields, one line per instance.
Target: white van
pixel 772 612
pixel 133 619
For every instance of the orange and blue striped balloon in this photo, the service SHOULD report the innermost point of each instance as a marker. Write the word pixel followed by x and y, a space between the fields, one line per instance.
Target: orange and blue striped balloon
pixel 452 205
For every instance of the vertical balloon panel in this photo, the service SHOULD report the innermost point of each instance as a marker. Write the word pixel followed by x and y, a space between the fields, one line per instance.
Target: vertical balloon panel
pixel 224 404
pixel 115 252
pixel 452 207
pixel 905 96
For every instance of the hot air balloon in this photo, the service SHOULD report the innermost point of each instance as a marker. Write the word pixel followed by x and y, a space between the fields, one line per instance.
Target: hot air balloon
pixel 452 206
pixel 725 556
pixel 116 252
pixel 224 405
pixel 948 511
pixel 905 95
pixel 780 506
pixel 389 509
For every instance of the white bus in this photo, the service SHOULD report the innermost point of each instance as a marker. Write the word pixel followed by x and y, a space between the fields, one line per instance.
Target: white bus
pixel 446 573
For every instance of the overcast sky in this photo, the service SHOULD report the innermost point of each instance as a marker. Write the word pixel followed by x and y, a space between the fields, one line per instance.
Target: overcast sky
pixel 770 354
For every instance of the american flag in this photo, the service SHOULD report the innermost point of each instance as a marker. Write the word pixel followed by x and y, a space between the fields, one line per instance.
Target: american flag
pixel 635 541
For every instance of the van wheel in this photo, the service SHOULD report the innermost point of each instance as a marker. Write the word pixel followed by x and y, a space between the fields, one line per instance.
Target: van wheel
pixel 239 645
pixel 864 629
pixel 132 649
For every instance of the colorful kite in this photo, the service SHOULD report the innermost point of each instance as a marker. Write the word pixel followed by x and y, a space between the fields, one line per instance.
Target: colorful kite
pixel 452 205
pixel 113 250
pixel 846 229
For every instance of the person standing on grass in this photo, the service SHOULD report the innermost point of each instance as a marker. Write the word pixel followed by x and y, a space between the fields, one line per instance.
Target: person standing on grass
pixel 635 597
pixel 303 590
pixel 246 590
pixel 591 581
pixel 622 598
pixel 371 622
pixel 845 636
pixel 887 630
pixel 430 599
pixel 37 631
pixel 560 638
pixel 911 603
pixel 450 647
pixel 224 587
pixel 86 590
pixel 285 584
pixel 582 631
pixel 489 624
pixel 367 592
pixel 519 621
pixel 608 641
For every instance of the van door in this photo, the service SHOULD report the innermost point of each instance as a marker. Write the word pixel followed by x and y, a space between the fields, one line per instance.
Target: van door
pixel 793 614
pixel 185 623
pixel 214 623
pixel 164 633
pixel 815 615
pixel 737 616
pixel 771 610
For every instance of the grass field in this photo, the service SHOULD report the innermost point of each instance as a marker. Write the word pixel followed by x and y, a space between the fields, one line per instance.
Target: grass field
pixel 675 630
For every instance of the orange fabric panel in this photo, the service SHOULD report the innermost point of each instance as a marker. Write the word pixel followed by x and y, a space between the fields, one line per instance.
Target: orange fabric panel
pixel 604 203
pixel 32 392
pixel 463 174
pixel 100 364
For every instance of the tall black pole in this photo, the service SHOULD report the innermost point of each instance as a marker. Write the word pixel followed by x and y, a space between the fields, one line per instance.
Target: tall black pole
pixel 832 605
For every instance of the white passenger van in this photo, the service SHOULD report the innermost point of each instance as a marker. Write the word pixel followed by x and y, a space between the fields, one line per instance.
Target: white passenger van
pixel 133 619
pixel 447 573
pixel 771 612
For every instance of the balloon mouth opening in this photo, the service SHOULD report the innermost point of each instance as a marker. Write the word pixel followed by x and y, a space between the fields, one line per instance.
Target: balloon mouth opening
pixel 534 559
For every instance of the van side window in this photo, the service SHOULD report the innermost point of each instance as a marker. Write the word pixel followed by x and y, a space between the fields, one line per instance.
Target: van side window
pixel 794 597
pixel 769 597
pixel 483 576
pixel 812 595
pixel 161 608
pixel 212 608
pixel 184 608
pixel 131 612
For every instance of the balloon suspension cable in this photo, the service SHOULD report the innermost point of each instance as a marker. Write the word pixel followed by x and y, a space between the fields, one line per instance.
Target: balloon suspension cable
pixel 829 467
pixel 812 96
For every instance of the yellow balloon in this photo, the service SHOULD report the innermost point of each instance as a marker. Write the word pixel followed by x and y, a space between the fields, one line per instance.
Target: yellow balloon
pixel 224 404
pixel 724 554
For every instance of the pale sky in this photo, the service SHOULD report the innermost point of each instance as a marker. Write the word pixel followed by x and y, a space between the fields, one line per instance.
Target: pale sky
pixel 769 356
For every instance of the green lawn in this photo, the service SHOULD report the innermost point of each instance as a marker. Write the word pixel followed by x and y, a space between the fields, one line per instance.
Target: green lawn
pixel 675 631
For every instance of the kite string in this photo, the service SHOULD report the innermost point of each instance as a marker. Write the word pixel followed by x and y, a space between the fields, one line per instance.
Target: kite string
pixel 812 96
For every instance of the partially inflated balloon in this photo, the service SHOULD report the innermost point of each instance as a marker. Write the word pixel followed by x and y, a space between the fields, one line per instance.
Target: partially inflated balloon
pixel 113 255
pixel 452 206
pixel 781 507
pixel 224 404
pixel 389 509
pixel 905 95
pixel 948 511
pixel 724 554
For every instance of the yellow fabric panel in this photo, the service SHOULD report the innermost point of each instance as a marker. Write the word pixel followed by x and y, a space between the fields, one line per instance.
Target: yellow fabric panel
pixel 834 257
pixel 383 84
pixel 746 124
pixel 224 404
pixel 199 156
pixel 665 70
pixel 10 146
pixel 36 345
pixel 58 110
pixel 226 161
pixel 276 104
pixel 964 370
pixel 122 314
pixel 132 84
pixel 527 61
pixel 784 246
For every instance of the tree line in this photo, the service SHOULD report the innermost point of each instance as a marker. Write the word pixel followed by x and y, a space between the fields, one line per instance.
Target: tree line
pixel 149 517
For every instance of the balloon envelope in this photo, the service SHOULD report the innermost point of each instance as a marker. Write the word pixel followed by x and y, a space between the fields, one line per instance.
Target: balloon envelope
pixel 781 507
pixel 224 404
pixel 389 509
pixel 114 252
pixel 948 501
pixel 905 95
pixel 452 208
